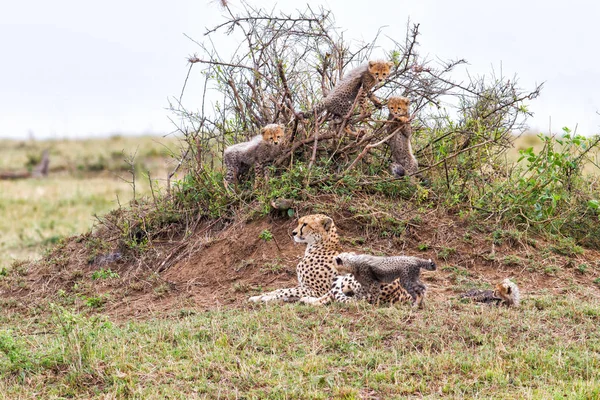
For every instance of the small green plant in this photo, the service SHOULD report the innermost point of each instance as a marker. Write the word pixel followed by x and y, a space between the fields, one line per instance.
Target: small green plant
pixel 597 281
pixel 274 266
pixel 95 301
pixel 104 274
pixel 266 235
pixel 423 246
pixel 512 260
pixel 446 252
pixel 582 268
pixel 20 360
pixel 566 247
pixel 241 287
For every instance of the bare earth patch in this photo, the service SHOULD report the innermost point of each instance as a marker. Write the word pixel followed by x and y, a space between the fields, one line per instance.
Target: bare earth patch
pixel 222 267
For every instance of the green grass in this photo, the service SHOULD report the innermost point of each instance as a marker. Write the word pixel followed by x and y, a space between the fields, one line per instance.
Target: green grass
pixel 549 348
pixel 37 213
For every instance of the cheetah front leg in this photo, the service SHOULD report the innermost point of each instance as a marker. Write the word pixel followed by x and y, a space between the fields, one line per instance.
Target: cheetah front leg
pixel 361 98
pixel 375 100
pixel 260 175
pixel 231 174
pixel 285 295
pixel 317 301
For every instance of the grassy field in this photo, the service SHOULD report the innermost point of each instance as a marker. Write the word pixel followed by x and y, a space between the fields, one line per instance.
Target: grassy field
pixel 87 178
pixel 547 349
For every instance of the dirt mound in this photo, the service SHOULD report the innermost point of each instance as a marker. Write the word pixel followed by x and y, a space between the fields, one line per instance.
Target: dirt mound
pixel 224 266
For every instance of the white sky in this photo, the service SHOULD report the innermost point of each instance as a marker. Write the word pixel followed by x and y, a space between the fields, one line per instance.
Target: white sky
pixel 73 68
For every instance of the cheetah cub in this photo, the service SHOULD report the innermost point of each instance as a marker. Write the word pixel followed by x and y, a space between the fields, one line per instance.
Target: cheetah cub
pixel 372 271
pixel 403 159
pixel 358 83
pixel 509 292
pixel 481 296
pixel 261 149
pixel 506 292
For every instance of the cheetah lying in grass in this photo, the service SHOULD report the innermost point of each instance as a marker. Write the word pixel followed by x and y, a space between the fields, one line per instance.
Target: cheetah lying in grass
pixel 506 293
pixel 318 279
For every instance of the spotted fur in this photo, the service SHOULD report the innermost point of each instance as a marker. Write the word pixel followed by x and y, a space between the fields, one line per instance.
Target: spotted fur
pixel 318 279
pixel 505 293
pixel 371 271
pixel 509 292
pixel 316 271
pixel 481 296
pixel 358 83
pixel 257 152
pixel 403 159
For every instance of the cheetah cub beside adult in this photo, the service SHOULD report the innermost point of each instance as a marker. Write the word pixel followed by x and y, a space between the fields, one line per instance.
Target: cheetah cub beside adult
pixel 372 271
pixel 358 83
pixel 257 152
pixel 403 160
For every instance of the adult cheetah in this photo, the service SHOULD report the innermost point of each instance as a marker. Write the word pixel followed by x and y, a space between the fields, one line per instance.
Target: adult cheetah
pixel 316 271
pixel 318 279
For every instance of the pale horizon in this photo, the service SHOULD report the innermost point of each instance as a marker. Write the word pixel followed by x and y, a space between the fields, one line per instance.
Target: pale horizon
pixel 75 69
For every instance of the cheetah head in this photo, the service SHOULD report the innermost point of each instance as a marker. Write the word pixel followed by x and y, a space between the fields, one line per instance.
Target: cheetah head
pixel 504 289
pixel 380 69
pixel 273 133
pixel 398 106
pixel 313 229
pixel 342 263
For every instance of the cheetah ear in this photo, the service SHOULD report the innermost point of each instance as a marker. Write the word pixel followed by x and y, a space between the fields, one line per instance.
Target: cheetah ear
pixel 338 261
pixel 327 222
pixel 371 63
pixel 508 290
pixel 390 64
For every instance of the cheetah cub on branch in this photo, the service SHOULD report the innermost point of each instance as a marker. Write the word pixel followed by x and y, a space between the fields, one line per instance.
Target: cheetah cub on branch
pixel 372 271
pixel 403 159
pixel 506 292
pixel 358 83
pixel 261 149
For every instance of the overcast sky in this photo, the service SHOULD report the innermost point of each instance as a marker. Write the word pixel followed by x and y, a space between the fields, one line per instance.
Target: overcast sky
pixel 73 68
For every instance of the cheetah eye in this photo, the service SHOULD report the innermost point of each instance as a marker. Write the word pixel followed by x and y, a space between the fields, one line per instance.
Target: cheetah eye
pixel 302 227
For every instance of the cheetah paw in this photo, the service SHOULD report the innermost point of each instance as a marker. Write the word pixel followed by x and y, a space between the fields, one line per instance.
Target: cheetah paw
pixel 310 300
pixel 254 299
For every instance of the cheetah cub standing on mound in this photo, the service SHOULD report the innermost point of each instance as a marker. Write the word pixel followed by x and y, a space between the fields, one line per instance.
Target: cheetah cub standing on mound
pixel 358 83
pixel 506 292
pixel 372 271
pixel 403 159
pixel 261 149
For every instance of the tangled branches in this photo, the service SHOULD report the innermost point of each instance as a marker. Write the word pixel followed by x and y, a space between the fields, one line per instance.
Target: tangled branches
pixel 283 64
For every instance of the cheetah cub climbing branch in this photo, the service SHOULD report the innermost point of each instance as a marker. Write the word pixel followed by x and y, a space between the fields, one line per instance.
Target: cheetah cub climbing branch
pixel 372 271
pixel 358 83
pixel 257 152
pixel 403 159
